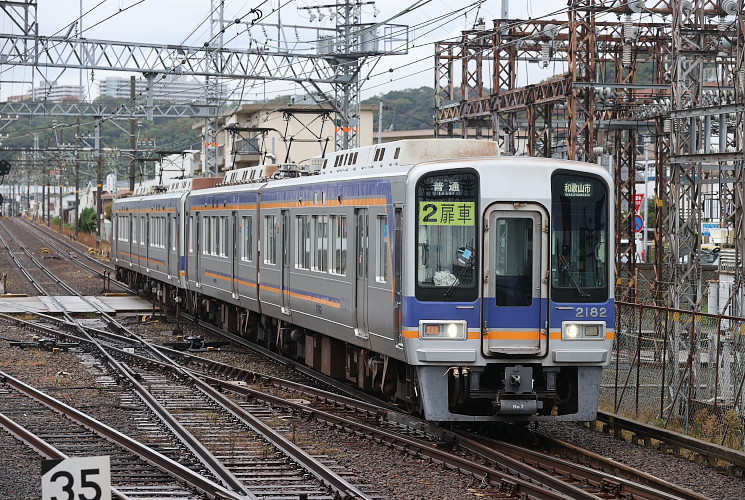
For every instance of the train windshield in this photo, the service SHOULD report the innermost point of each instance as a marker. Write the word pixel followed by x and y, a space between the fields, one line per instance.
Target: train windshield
pixel 447 267
pixel 579 239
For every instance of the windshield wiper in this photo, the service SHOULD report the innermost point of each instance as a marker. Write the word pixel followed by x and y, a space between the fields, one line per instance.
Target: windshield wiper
pixel 566 267
pixel 457 278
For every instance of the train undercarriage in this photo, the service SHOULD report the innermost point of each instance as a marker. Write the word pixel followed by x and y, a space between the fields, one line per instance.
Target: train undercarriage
pixel 511 391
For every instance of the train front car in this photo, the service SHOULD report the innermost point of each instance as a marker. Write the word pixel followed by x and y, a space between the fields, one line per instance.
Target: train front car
pixel 508 311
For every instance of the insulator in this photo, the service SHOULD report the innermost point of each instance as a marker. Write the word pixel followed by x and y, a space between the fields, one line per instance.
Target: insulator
pixel 667 126
pixel 545 54
pixel 629 30
pixel 626 56
pixel 730 7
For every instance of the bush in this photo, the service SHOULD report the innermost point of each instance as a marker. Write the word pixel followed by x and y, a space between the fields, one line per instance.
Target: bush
pixel 87 220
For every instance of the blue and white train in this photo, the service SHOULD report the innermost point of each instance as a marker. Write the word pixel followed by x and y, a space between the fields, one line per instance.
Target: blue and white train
pixel 469 286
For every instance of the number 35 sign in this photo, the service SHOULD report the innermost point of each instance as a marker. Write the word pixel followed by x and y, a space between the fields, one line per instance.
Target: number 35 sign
pixel 77 478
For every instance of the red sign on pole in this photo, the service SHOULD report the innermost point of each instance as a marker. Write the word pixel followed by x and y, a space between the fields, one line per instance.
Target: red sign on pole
pixel 638 200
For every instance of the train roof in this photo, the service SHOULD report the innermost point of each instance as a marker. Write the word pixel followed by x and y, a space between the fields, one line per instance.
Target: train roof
pixel 392 155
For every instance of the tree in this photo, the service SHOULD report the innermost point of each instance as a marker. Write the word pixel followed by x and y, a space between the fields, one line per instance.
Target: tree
pixel 87 220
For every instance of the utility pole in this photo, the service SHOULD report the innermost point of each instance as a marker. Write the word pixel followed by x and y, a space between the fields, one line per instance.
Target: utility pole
pixel 132 137
pixel 99 179
pixel 217 27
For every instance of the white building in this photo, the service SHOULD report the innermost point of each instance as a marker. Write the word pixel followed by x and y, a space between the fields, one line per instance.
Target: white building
pixel 175 89
pixel 57 93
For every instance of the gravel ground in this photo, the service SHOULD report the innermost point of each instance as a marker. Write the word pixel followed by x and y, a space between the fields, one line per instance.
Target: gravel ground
pixel 715 484
pixel 391 473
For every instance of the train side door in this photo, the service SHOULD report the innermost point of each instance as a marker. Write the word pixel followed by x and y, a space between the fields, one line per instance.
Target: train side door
pixel 132 225
pixel 146 241
pixel 235 252
pixel 285 288
pixel 361 261
pixel 197 249
pixel 169 244
pixel 515 290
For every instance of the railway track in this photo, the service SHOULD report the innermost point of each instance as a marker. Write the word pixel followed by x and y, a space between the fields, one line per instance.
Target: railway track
pixel 325 482
pixel 56 430
pixel 59 248
pixel 506 471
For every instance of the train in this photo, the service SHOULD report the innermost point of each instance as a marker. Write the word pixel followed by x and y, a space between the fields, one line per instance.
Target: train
pixel 460 283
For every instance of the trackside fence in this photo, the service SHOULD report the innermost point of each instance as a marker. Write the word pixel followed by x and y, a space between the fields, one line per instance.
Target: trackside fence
pixel 680 370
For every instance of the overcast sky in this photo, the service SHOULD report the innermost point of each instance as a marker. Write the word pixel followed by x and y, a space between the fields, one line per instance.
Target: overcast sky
pixel 185 22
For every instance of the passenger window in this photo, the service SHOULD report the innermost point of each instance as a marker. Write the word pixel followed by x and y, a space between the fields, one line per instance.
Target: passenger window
pixel 381 259
pixel 321 249
pixel 302 233
pixel 339 244
pixel 247 223
pixel 270 239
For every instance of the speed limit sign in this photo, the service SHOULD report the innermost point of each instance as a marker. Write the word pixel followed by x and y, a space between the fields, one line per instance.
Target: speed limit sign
pixel 76 478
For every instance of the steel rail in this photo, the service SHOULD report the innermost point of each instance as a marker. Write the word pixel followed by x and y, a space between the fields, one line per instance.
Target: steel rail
pixel 323 473
pixel 643 488
pixel 51 233
pixel 20 266
pixel 673 440
pixel 41 447
pixel 300 368
pixel 164 463
pixel 53 239
pixel 212 463
pixel 533 483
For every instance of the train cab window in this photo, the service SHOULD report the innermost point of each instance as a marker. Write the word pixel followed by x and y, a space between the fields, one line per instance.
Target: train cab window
pixel 579 239
pixel 446 260
pixel 302 228
pixel 381 257
pixel 396 153
pixel 321 239
pixel 270 239
pixel 247 230
pixel 338 244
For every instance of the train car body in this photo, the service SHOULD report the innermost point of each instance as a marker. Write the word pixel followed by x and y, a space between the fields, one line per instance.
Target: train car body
pixel 470 286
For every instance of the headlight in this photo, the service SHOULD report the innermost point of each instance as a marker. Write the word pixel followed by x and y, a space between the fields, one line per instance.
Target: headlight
pixel 443 330
pixel 583 331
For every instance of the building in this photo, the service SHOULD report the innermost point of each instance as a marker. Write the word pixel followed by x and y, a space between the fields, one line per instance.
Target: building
pixel 176 89
pixel 259 134
pixel 57 93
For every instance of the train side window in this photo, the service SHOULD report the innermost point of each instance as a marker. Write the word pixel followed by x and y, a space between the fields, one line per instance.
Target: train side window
pixel 223 236
pixel 302 230
pixel 321 248
pixel 216 236
pixel 339 244
pixel 174 233
pixel 270 239
pixel 143 230
pixel 191 234
pixel 247 224
pixel 207 238
pixel 381 258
